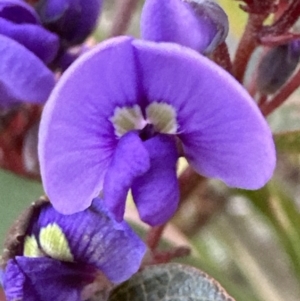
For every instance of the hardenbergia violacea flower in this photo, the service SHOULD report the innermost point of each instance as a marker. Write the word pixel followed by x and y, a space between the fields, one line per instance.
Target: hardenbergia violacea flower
pixel 122 115
pixel 67 258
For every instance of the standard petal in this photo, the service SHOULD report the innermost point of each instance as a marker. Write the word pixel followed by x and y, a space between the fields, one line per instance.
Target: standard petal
pixel 223 132
pixel 46 279
pixel 175 21
pixel 76 138
pixel 23 76
pixel 35 38
pixel 95 238
pixel 130 160
pixel 156 192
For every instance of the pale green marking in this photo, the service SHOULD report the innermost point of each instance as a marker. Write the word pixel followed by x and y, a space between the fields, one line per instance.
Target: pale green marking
pixel 163 117
pixel 31 248
pixel 127 119
pixel 54 243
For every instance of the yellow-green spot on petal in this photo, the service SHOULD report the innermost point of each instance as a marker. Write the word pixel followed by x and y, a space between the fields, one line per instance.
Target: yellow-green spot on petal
pixel 31 248
pixel 127 119
pixel 163 117
pixel 54 243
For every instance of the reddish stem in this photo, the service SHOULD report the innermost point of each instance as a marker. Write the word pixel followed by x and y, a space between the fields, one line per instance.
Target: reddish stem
pixel 167 256
pixel 282 95
pixel 221 57
pixel 153 237
pixel 247 45
pixel 262 100
pixel 273 41
pixel 2 296
pixel 188 181
pixel 12 138
pixel 285 21
pixel 124 12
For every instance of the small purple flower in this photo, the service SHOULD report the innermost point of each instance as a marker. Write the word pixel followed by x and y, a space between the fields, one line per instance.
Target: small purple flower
pixel 199 24
pixel 62 255
pixel 72 20
pixel 20 22
pixel 25 48
pixel 122 115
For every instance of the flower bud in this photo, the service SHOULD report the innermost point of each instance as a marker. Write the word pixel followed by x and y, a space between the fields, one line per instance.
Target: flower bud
pixel 60 257
pixel 72 20
pixel 277 66
pixel 209 11
pixel 198 24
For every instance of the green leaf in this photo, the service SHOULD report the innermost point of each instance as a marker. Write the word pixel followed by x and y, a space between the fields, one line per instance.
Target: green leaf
pixel 170 282
pixel 16 194
pixel 288 142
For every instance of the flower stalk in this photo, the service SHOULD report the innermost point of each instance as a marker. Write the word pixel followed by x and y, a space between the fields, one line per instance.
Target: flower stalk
pixel 222 58
pixel 124 12
pixel 247 45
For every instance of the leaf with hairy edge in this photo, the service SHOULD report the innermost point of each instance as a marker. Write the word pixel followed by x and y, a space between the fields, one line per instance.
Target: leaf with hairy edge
pixel 288 142
pixel 170 282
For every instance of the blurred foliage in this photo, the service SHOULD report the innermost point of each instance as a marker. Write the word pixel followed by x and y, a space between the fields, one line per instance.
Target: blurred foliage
pixel 288 142
pixel 237 17
pixel 16 194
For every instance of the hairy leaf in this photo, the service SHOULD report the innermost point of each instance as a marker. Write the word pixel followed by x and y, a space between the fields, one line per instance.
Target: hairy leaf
pixel 170 282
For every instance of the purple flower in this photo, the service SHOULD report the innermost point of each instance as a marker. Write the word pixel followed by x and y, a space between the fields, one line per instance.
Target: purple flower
pixel 72 20
pixel 20 22
pixel 62 255
pixel 199 24
pixel 25 48
pixel 122 115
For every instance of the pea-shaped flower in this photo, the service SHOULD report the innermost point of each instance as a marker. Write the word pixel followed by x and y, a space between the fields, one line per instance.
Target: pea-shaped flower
pixel 25 49
pixel 58 257
pixel 122 115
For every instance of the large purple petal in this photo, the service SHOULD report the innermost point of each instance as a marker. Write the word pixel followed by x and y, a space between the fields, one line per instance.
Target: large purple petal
pixel 35 38
pixel 23 76
pixel 130 160
pixel 95 238
pixel 175 21
pixel 156 192
pixel 223 133
pixel 76 138
pixel 43 278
